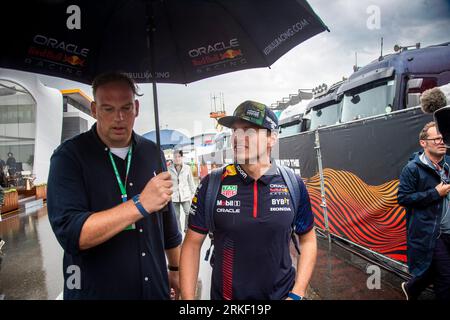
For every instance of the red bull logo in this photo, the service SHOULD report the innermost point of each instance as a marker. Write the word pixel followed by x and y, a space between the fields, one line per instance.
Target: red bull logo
pixel 74 60
pixel 231 54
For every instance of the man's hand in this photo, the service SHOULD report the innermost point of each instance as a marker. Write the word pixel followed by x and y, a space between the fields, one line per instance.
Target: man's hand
pixel 157 193
pixel 174 285
pixel 443 189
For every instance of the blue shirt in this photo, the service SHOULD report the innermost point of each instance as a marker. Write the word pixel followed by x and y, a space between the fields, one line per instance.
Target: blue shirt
pixel 130 265
pixel 442 169
pixel 253 222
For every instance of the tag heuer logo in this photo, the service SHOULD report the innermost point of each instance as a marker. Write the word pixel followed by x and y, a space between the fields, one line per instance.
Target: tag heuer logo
pixel 229 191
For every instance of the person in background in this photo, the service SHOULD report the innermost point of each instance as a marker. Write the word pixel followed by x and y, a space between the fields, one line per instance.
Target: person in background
pixel 183 187
pixel 2 173
pixel 424 192
pixel 11 163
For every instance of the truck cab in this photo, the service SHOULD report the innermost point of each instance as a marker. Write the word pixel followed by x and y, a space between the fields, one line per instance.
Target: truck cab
pixel 325 109
pixel 394 82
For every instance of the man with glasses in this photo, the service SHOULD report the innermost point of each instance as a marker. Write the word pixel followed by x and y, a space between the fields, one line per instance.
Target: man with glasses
pixel 424 191
pixel 105 202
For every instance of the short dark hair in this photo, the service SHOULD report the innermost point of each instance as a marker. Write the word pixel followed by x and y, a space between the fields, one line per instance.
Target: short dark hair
pixel 109 77
pixel 424 133
pixel 180 152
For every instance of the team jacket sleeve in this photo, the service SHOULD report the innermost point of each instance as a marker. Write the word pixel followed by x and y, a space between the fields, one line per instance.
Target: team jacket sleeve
pixel 305 217
pixel 196 220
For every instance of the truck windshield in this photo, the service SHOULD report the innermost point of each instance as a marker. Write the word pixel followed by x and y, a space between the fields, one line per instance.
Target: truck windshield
pixel 325 116
pixel 290 129
pixel 369 100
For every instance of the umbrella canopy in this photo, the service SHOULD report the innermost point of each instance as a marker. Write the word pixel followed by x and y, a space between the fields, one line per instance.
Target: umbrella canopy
pixel 169 139
pixel 193 39
pixel 170 41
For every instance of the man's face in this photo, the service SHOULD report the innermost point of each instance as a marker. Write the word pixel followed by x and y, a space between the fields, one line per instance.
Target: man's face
pixel 115 109
pixel 177 159
pixel 251 144
pixel 434 144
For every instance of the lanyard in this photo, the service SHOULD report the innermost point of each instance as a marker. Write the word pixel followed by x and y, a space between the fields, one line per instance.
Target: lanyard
pixel 443 173
pixel 122 186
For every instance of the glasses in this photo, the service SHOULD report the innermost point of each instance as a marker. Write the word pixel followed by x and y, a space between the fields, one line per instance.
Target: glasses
pixel 436 140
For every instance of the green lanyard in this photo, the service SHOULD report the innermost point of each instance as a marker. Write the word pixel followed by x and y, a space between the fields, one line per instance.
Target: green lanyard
pixel 122 186
pixel 123 189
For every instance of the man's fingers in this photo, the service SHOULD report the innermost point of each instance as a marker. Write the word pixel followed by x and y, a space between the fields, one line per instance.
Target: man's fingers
pixel 164 176
pixel 167 183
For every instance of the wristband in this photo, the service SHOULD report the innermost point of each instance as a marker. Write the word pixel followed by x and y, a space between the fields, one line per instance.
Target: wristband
pixel 139 206
pixel 172 268
pixel 294 296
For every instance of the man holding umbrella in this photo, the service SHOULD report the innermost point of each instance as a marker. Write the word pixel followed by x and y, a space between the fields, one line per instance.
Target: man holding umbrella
pixel 105 204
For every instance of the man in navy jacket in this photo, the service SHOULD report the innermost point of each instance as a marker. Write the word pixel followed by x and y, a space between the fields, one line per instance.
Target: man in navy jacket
pixel 424 191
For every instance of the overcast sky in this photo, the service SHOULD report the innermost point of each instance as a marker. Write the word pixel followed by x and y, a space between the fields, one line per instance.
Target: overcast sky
pixel 325 58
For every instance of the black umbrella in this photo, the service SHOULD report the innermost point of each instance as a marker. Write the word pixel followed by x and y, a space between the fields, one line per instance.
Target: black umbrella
pixel 167 41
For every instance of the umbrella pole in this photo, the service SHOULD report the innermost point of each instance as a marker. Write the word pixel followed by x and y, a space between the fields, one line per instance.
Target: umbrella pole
pixel 158 135
pixel 150 46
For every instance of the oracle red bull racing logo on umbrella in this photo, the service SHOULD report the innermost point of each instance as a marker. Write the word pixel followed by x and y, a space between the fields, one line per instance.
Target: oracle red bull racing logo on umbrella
pixel 54 54
pixel 229 190
pixel 220 55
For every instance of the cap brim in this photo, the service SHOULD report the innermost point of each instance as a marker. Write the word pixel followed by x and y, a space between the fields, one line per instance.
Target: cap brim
pixel 228 121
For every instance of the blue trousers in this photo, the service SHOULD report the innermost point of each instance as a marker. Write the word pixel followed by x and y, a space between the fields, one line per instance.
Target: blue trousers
pixel 438 274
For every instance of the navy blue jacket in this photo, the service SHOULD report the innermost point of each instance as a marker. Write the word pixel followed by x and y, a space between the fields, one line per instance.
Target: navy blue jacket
pixel 423 205
pixel 130 265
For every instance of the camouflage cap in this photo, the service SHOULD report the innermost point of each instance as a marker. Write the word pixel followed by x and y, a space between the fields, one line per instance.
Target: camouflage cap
pixel 253 112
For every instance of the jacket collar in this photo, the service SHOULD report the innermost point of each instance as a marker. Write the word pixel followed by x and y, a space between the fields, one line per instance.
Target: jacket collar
pixel 183 168
pixel 417 159
pixel 265 178
pixel 136 139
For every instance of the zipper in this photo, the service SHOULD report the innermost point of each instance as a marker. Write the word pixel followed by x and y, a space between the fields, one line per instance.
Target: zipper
pixel 178 186
pixel 178 183
pixel 434 228
pixel 255 199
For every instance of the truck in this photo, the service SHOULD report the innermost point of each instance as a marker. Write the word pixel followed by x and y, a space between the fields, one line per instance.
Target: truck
pixel 356 139
pixel 350 144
